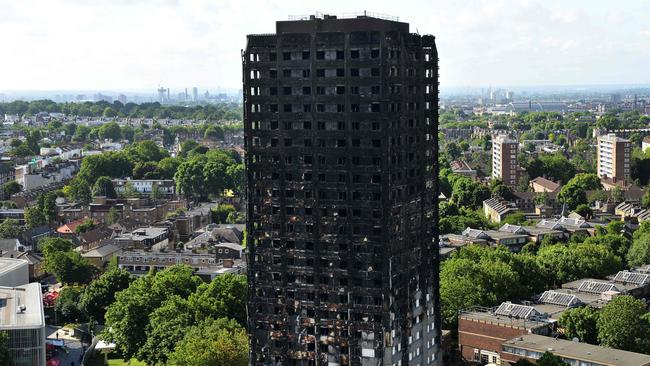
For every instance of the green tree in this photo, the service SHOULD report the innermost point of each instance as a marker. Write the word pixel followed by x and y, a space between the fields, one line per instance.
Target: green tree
pixel 66 264
pixel 187 146
pixel 167 167
pixel 127 318
pixel 78 190
pixel 573 193
pixel 10 229
pixel 34 217
pixel 580 323
pixel 52 245
pixel 67 305
pixel 224 297
pixel 501 190
pixel 130 191
pixel 104 187
pixel 10 188
pixel 85 227
pixel 622 325
pixel 565 263
pixel 100 293
pixel 237 175
pixel 639 253
pixel 110 131
pixel 221 212
pixel 219 343
pixel 214 132
pixel 109 112
pixel 615 242
pixel 584 210
pixel 189 179
pixel 112 216
pixel 479 275
pixel 47 204
pixel 645 200
pixel 453 151
pixel 618 195
pixel 147 150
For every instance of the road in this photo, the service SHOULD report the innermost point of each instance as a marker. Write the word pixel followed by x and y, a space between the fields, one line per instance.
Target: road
pixel 73 346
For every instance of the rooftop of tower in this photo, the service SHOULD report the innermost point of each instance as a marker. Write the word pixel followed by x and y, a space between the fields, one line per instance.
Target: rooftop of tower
pixel 347 22
pixel 359 15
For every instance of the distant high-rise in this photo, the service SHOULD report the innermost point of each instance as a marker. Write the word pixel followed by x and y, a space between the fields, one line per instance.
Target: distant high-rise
pixel 162 95
pixel 614 157
pixel 504 160
pixel 195 94
pixel 341 120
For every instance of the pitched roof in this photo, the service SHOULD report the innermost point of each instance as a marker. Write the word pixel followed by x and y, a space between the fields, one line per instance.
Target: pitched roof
pixel 545 183
pixel 102 251
pixel 514 229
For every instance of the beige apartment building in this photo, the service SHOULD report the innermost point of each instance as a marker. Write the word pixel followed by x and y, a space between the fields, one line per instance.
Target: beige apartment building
pixel 614 155
pixel 504 160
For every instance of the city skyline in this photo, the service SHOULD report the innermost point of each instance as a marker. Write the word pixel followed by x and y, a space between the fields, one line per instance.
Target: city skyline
pixel 67 44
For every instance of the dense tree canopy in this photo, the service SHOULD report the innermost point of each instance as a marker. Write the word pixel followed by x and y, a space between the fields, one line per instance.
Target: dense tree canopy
pixel 214 342
pixel 222 111
pixel 127 318
pixel 66 264
pixel 99 294
pixel 565 263
pixel 574 192
pixel 623 324
pixel 580 323
pixel 480 275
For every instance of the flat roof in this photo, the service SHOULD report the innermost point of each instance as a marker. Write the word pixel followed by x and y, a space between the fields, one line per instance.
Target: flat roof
pixel 622 287
pixel 578 351
pixel 491 317
pixel 21 307
pixel 9 264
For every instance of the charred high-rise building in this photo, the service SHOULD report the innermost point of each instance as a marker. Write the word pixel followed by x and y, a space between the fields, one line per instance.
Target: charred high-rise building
pixel 341 117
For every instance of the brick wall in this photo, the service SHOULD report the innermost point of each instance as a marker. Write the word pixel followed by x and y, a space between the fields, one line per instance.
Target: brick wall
pixel 487 336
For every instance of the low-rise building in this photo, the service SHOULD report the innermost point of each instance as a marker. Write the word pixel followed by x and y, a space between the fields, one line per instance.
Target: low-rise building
pixel 165 187
pixel 204 264
pixel 541 184
pixel 531 347
pixel 102 255
pixel 23 320
pixel 461 167
pixel 21 313
pixel 13 272
pixel 496 209
pixel 144 238
pixel 481 331
pixel 32 176
pixel 133 211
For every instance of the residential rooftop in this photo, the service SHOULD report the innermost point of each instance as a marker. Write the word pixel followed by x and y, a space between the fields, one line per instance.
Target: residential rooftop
pixel 577 351
pixel 21 307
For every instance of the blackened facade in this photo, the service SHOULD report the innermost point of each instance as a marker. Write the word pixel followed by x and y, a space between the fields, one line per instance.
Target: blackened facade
pixel 341 141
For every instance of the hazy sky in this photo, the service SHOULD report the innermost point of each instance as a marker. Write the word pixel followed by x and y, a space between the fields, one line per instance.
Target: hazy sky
pixel 140 44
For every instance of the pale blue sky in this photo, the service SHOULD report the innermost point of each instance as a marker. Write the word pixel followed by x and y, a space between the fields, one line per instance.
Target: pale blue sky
pixel 139 44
